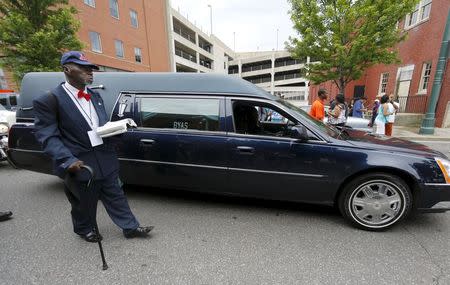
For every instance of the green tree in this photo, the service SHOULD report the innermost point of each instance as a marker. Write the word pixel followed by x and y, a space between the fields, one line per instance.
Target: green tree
pixel 345 37
pixel 34 33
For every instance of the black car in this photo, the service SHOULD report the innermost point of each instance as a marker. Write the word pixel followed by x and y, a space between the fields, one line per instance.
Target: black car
pixel 206 132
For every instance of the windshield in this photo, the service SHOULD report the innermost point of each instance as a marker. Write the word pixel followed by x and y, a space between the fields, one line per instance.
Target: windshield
pixel 2 108
pixel 330 130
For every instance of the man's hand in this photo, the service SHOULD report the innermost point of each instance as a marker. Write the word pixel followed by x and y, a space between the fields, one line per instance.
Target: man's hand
pixel 75 167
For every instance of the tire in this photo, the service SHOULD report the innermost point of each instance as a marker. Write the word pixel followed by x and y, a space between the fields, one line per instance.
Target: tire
pixel 375 201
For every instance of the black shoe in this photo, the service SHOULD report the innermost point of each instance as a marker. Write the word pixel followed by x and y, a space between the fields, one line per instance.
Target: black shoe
pixel 138 232
pixel 5 216
pixel 91 237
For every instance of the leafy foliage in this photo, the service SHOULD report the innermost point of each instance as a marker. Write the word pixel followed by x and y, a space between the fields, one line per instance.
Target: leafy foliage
pixel 34 33
pixel 345 37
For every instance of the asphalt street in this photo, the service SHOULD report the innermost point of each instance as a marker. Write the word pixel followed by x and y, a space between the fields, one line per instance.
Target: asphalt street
pixel 202 239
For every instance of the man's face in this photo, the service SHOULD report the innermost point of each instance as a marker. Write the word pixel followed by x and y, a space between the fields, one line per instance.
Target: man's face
pixel 79 74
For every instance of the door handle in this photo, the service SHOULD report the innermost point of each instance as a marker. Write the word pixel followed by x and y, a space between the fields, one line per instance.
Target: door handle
pixel 147 142
pixel 246 149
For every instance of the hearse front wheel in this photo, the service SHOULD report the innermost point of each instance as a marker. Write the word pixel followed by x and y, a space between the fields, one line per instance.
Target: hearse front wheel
pixel 375 201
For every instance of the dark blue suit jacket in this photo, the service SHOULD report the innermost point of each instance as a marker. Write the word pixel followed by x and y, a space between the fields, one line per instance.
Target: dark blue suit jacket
pixel 62 131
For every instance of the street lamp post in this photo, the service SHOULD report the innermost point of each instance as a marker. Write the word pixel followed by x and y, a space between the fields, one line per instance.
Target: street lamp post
pixel 277 41
pixel 428 122
pixel 210 16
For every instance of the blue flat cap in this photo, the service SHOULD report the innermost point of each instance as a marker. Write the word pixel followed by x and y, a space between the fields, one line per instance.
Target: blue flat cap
pixel 76 57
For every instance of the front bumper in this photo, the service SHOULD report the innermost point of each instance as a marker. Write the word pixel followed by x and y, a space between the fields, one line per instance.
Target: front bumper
pixel 434 198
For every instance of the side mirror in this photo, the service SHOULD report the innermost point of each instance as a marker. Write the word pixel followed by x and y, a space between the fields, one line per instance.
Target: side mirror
pixel 299 132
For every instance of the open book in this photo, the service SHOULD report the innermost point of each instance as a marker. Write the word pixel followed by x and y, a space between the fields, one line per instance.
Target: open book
pixel 115 128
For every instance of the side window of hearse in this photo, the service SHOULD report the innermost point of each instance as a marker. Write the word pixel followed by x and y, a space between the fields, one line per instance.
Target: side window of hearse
pixel 180 113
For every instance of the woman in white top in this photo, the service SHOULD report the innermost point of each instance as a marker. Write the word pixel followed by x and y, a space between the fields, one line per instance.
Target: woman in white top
pixel 336 117
pixel 393 108
pixel 383 112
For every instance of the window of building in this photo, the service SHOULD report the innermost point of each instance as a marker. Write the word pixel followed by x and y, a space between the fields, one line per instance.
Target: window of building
pixel 180 113
pixel 138 54
pixel 421 13
pixel 114 8
pixel 425 78
pixel 119 48
pixel 383 83
pixel 134 18
pixel 233 69
pixel 406 72
pixel 425 9
pixel 90 3
pixel 96 44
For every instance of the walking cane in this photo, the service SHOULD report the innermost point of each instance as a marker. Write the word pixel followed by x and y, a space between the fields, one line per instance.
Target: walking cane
pixel 94 221
pixel 73 189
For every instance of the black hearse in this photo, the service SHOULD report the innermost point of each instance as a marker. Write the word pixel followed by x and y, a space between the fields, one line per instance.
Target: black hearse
pixel 209 132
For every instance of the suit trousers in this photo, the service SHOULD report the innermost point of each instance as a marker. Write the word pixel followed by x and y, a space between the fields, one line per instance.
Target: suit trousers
pixel 84 203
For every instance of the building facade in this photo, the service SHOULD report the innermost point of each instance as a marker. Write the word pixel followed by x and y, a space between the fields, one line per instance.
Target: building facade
pixel 120 36
pixel 274 71
pixel 192 50
pixel 124 35
pixel 410 81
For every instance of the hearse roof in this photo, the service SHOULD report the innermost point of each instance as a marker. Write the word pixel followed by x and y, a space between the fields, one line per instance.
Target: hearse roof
pixel 37 83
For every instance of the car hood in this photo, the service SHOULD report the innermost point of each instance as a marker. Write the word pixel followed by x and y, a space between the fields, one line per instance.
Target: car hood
pixel 392 144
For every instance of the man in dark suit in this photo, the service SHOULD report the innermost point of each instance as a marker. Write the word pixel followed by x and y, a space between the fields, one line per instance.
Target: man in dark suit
pixel 65 123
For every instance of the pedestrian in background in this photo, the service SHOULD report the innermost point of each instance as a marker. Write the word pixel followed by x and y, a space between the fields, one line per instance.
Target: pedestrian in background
pixel 393 109
pixel 350 107
pixel 66 120
pixel 337 116
pixel 376 104
pixel 383 113
pixel 318 107
pixel 358 107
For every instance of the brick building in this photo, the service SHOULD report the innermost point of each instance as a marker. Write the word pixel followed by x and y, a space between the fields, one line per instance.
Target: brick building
pixel 410 81
pixel 120 35
pixel 124 35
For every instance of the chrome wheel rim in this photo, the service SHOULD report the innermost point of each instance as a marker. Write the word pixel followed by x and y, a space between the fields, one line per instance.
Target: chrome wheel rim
pixel 377 203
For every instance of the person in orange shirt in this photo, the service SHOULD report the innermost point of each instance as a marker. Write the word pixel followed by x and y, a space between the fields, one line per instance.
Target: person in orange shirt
pixel 318 109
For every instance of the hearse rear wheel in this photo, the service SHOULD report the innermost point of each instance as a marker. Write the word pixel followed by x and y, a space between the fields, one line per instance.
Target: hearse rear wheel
pixel 375 201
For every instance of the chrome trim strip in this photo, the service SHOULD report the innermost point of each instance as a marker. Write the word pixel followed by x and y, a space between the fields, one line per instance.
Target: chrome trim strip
pixel 272 138
pixel 223 168
pixel 191 93
pixel 437 184
pixel 278 172
pixel 25 150
pixel 174 163
pixel 181 131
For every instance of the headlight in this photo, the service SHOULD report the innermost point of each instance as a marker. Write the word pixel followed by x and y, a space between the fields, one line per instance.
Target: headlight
pixel 444 165
pixel 3 129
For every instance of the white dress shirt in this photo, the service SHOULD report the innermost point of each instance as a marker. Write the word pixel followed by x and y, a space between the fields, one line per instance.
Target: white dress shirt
pixel 85 107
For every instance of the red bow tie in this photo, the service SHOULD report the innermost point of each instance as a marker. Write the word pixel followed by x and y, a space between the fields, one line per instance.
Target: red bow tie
pixel 82 94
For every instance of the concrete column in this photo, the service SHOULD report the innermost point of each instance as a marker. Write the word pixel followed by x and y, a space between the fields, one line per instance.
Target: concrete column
pixel 240 68
pixel 272 74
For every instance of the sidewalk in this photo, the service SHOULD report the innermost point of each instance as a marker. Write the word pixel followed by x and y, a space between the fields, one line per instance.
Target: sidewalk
pixel 412 133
